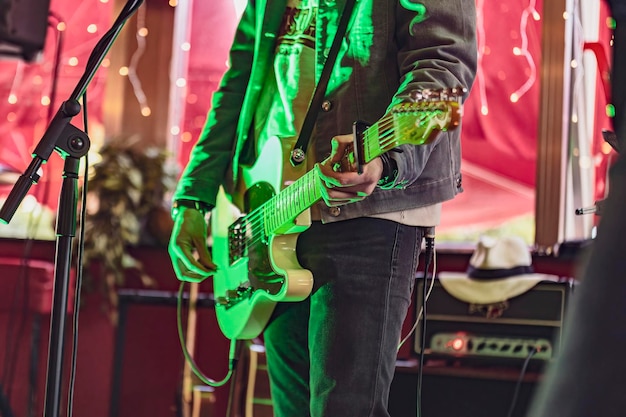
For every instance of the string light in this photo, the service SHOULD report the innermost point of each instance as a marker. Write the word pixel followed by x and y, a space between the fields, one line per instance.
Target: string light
pixel 578 74
pixel 480 74
pixel 610 110
pixel 29 86
pixel 17 81
pixel 142 33
pixel 186 137
pixel 178 70
pixel 606 148
pixel 522 51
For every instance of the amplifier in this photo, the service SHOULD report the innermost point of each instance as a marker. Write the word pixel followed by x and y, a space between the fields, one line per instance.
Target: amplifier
pixel 530 324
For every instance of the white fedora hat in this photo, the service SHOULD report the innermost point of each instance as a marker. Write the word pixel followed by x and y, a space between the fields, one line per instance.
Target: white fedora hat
pixel 499 269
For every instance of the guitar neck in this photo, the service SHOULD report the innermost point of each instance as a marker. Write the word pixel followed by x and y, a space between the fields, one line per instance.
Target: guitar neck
pixel 408 123
pixel 283 208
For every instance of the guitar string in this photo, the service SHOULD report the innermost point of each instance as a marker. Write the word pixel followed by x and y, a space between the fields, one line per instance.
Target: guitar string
pixel 255 220
pixel 254 215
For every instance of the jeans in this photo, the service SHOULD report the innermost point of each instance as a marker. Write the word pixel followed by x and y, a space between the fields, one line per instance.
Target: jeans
pixel 334 354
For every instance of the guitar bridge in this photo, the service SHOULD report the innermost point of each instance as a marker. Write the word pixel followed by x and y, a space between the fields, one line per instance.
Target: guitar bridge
pixel 232 297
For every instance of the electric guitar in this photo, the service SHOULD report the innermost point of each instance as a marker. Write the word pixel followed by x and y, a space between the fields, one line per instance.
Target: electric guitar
pixel 255 254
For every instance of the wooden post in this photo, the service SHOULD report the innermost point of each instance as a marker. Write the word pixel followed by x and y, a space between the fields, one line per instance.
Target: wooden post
pixel 553 128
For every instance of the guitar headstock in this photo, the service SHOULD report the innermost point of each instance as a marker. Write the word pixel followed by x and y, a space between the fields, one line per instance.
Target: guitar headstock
pixel 441 94
pixel 417 122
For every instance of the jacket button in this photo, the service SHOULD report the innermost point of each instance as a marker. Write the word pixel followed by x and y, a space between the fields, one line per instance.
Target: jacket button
pixel 327 105
pixel 334 211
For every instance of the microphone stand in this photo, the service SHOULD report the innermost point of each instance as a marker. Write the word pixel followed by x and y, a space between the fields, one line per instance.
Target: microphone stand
pixel 72 144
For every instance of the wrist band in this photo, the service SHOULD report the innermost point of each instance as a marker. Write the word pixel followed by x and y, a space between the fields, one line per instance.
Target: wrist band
pixel 389 174
pixel 193 204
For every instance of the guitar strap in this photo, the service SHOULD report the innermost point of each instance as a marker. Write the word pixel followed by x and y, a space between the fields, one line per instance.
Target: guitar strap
pixel 298 154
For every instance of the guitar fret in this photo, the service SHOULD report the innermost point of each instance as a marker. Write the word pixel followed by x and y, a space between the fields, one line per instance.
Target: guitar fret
pixel 266 218
pixel 292 205
pixel 412 123
pixel 263 221
pixel 284 207
pixel 310 191
pixel 289 207
pixel 370 146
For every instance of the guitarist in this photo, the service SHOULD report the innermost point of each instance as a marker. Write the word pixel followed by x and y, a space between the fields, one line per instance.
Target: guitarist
pixel 334 353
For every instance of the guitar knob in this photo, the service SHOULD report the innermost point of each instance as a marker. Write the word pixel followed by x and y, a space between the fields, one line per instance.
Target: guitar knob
pixel 232 294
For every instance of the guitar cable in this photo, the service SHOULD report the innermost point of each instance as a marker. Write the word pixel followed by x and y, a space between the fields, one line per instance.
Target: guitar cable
pixel 429 254
pixel 232 354
pixel 532 350
pixel 406 338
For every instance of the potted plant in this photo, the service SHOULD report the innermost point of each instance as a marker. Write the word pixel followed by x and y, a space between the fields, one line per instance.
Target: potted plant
pixel 125 206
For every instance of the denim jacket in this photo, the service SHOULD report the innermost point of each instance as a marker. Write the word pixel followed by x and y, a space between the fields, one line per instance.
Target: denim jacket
pixel 391 48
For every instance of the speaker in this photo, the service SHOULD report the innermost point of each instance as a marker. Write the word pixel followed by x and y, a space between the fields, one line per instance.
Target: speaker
pixel 463 391
pixel 23 28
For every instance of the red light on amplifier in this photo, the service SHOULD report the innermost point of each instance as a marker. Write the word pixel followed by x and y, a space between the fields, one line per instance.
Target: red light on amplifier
pixel 457 344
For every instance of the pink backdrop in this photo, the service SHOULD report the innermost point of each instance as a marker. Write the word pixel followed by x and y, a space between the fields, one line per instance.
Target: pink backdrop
pixel 22 123
pixel 500 136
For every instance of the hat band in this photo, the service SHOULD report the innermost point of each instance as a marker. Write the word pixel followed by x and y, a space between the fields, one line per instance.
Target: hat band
pixel 477 273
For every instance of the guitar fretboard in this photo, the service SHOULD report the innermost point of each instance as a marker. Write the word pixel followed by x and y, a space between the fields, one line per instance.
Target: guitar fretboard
pixel 407 123
pixel 283 208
